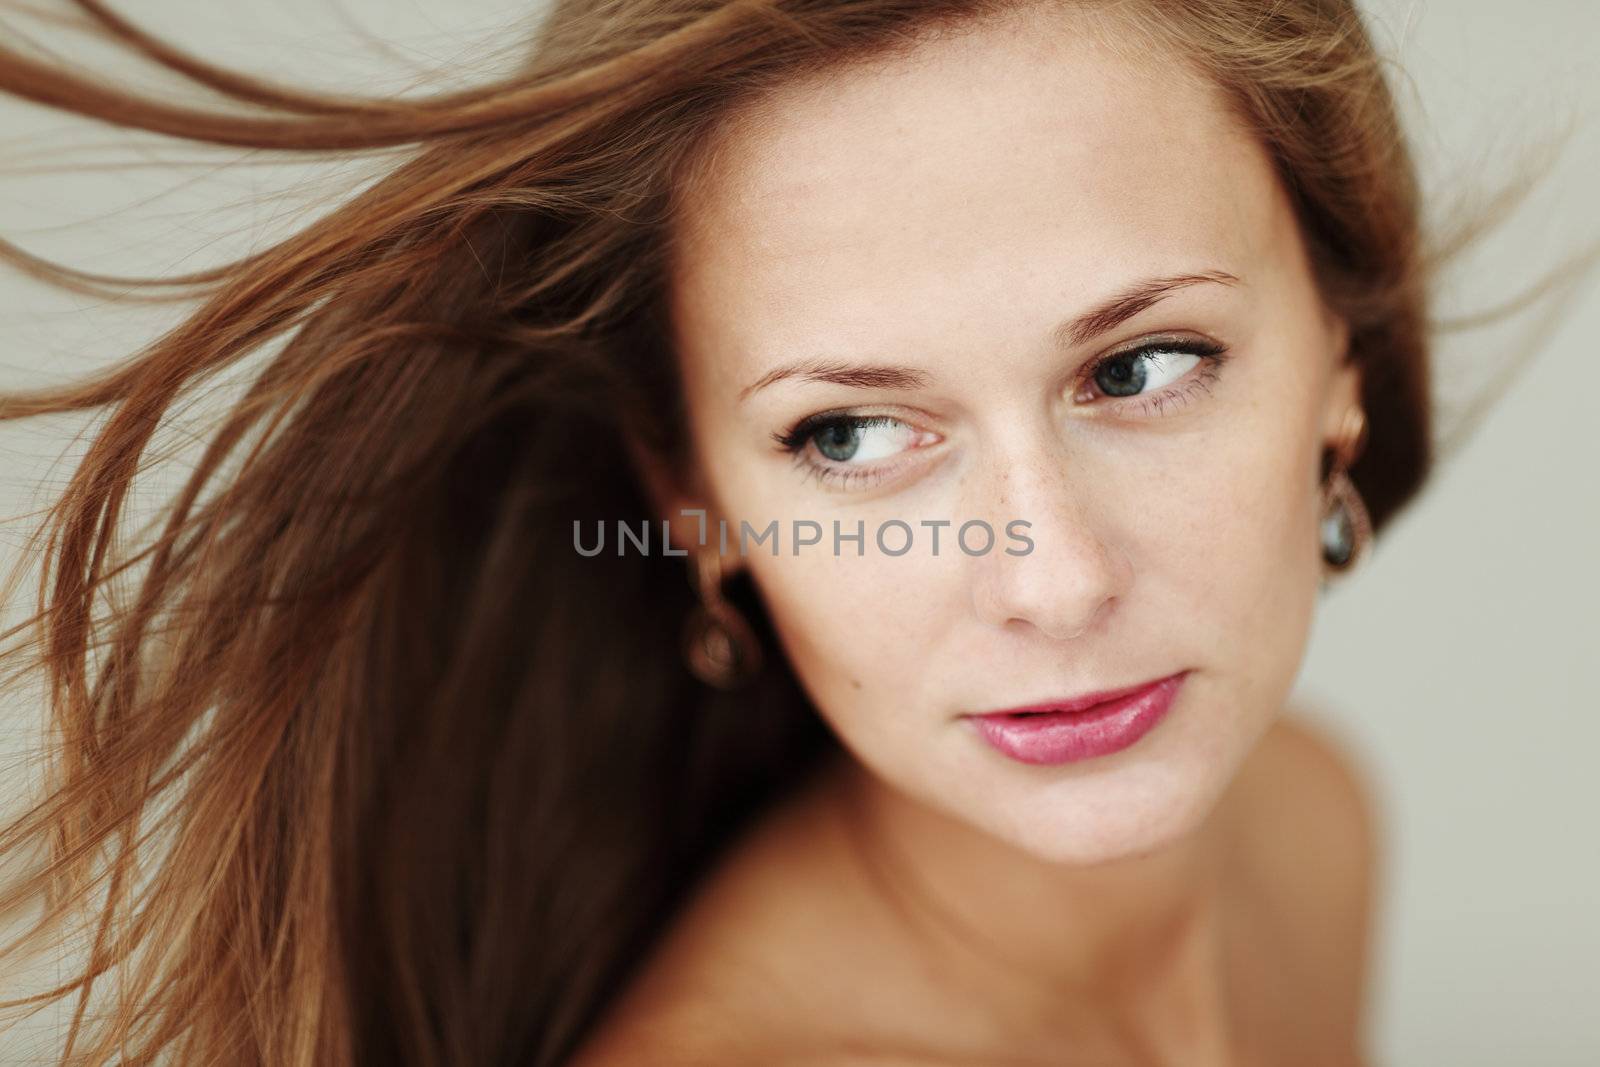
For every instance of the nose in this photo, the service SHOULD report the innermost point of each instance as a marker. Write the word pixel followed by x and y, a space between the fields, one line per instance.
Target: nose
pixel 1074 572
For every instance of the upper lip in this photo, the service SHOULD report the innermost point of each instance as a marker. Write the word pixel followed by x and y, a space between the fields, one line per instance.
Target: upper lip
pixel 1077 703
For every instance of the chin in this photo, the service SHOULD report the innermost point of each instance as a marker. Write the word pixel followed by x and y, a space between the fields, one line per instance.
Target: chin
pixel 1140 812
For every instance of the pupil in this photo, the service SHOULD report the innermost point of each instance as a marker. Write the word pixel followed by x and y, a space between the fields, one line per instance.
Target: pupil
pixel 837 442
pixel 1122 377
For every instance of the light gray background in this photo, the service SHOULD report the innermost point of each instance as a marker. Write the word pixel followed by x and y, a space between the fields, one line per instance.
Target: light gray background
pixel 1459 664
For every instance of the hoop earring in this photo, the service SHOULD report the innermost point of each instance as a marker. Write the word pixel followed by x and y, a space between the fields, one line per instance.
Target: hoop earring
pixel 1346 528
pixel 719 646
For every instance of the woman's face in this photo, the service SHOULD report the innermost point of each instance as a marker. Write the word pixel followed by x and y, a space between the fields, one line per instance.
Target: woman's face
pixel 944 214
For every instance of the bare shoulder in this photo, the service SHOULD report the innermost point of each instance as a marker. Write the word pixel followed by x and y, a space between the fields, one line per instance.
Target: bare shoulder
pixel 685 1010
pixel 720 988
pixel 1324 792
pixel 695 1003
pixel 666 1038
pixel 1313 844
pixel 683 1042
pixel 1318 826
pixel 687 1042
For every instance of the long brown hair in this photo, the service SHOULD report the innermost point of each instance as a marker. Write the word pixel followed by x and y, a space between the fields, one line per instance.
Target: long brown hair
pixel 354 760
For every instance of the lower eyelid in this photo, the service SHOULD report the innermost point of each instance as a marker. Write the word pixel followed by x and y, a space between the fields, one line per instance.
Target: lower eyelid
pixel 843 477
pixel 1180 391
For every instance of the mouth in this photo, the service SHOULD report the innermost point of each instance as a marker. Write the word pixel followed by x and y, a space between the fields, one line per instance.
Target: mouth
pixel 1077 704
pixel 1078 728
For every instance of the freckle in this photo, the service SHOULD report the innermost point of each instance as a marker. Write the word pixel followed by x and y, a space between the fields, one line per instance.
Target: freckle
pixel 856 682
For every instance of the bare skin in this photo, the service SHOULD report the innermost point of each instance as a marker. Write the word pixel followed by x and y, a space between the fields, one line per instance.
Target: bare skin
pixel 793 952
pixel 906 250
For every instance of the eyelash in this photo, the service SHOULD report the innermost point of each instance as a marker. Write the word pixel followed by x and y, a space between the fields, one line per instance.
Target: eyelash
pixel 795 439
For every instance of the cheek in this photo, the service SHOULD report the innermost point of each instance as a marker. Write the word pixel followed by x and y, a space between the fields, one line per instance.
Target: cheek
pixel 851 627
pixel 1235 540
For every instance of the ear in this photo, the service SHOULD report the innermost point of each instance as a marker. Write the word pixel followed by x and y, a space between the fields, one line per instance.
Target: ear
pixel 1344 382
pixel 671 493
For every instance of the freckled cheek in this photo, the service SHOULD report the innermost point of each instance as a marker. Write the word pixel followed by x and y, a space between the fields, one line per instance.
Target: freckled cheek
pixel 1257 594
pixel 1231 531
pixel 850 620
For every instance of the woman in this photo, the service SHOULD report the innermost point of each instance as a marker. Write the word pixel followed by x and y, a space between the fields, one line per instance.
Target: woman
pixel 1124 302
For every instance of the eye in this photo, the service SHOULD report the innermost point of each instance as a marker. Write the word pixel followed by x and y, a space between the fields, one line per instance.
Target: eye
pixel 844 449
pixel 1154 374
pixel 849 447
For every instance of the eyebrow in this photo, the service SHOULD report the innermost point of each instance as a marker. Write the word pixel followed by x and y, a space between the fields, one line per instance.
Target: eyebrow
pixel 1106 316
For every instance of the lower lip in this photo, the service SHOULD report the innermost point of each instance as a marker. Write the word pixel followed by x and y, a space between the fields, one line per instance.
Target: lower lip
pixel 1068 736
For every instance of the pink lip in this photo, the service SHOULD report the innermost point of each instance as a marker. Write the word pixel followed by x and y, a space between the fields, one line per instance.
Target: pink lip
pixel 1080 728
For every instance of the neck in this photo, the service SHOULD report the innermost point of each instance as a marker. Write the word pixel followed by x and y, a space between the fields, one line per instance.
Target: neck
pixel 1128 950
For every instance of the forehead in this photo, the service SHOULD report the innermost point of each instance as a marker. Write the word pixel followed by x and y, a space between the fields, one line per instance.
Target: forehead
pixel 1023 161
